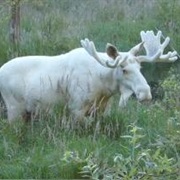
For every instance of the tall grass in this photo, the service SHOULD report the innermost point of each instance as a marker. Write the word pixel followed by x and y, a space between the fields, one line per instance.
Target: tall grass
pixel 52 148
pixel 138 142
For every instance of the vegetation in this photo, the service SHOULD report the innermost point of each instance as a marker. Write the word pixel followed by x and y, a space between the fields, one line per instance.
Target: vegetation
pixel 138 142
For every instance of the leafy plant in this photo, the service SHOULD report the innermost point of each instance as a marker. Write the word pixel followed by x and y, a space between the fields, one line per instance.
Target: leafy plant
pixel 140 163
pixel 137 142
pixel 171 87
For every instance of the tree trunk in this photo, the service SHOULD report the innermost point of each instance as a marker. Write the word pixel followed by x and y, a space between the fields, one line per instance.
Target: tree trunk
pixel 15 25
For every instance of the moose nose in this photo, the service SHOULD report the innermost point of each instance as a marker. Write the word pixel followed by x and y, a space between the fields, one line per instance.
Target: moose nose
pixel 144 94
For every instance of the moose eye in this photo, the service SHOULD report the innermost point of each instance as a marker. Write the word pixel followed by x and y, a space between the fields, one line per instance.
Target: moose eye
pixel 124 71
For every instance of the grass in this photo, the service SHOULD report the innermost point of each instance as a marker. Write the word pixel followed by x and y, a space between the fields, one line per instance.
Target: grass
pixel 50 148
pixel 138 142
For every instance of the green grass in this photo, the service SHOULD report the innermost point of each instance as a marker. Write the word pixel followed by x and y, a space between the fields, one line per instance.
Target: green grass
pixel 142 138
pixel 43 149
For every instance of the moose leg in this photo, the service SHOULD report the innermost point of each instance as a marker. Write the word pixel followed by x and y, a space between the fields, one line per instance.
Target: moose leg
pixel 13 112
pixel 26 116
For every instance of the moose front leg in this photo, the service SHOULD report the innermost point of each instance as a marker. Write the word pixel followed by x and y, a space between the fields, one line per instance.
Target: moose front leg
pixel 125 94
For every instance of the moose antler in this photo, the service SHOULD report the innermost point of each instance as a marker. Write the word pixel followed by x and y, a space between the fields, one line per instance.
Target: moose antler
pixel 90 48
pixel 154 48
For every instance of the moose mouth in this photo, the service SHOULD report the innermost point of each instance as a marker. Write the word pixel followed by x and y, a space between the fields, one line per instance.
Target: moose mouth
pixel 146 101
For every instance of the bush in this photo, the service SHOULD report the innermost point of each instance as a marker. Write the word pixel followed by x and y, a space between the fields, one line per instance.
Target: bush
pixel 171 87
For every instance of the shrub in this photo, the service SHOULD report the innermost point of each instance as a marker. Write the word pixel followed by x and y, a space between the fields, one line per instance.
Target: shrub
pixel 171 87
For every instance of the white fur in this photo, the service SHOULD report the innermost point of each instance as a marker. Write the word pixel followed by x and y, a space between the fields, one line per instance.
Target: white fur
pixel 74 79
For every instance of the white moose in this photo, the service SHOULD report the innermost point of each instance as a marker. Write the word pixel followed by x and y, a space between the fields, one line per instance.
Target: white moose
pixel 82 79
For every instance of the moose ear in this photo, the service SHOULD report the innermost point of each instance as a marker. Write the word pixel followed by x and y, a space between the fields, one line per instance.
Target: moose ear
pixel 111 51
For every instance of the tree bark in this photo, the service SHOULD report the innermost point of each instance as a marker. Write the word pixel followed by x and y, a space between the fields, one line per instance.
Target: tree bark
pixel 15 24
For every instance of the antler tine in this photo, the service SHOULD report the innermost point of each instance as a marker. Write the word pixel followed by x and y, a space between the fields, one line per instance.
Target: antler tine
pixel 172 48
pixel 171 56
pixel 88 46
pixel 91 49
pixel 154 48
pixel 116 62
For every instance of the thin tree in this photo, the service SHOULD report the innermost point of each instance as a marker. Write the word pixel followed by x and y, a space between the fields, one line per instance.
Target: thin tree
pixel 15 25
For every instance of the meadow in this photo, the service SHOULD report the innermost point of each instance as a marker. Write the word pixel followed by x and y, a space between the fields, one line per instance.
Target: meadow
pixel 140 141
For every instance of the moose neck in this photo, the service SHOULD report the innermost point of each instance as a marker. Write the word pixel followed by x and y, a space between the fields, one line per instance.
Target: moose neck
pixel 108 80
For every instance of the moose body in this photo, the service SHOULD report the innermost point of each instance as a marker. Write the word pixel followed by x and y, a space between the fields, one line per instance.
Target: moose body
pixel 76 79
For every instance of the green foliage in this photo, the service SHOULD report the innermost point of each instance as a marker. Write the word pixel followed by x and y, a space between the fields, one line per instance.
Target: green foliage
pixel 139 142
pixel 139 163
pixel 171 86
pixel 146 145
